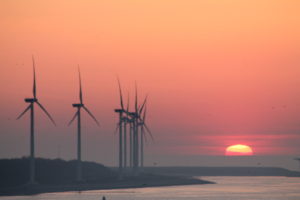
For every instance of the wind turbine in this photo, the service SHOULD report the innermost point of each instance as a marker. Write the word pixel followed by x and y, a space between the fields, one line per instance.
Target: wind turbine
pixel 143 126
pixel 130 121
pixel 142 138
pixel 120 111
pixel 77 115
pixel 135 133
pixel 31 102
pixel 126 120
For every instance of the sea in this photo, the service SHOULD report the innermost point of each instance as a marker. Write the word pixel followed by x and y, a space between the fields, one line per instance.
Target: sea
pixel 226 188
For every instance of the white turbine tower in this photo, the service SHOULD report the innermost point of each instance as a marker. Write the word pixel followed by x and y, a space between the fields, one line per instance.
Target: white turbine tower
pixel 31 102
pixel 78 115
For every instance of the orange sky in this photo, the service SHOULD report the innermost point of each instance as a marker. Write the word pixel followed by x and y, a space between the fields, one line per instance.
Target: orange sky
pixel 218 73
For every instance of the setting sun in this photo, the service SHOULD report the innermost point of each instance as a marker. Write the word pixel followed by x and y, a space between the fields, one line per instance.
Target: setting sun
pixel 239 150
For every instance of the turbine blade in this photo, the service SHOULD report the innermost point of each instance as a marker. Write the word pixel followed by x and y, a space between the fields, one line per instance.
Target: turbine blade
pixel 148 130
pixel 91 115
pixel 80 88
pixel 74 117
pixel 143 105
pixel 117 128
pixel 34 81
pixel 136 99
pixel 23 112
pixel 128 99
pixel 145 135
pixel 120 92
pixel 144 116
pixel 46 112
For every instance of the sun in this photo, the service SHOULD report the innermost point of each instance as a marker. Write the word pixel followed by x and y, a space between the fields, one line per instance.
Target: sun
pixel 239 150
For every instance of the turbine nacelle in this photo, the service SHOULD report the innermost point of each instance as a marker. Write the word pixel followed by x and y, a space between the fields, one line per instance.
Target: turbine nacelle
pixel 133 114
pixel 30 100
pixel 119 110
pixel 77 105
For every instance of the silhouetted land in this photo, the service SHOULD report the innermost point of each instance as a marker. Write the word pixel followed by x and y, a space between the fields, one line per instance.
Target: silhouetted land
pixel 15 172
pixel 59 175
pixel 222 171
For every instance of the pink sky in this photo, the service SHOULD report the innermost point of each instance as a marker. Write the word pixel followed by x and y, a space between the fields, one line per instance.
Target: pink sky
pixel 217 73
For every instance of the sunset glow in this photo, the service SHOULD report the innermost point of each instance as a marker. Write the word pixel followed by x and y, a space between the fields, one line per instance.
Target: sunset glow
pixel 217 73
pixel 239 150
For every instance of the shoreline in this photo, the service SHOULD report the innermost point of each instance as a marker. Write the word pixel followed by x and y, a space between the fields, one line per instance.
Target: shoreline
pixel 222 171
pixel 126 183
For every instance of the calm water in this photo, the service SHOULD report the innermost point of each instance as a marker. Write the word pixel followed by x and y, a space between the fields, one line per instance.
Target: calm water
pixel 228 188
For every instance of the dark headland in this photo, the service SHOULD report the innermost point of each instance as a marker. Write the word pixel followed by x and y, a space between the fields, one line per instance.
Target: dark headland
pixel 58 175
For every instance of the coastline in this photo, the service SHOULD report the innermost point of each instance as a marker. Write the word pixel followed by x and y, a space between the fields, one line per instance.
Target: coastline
pixel 126 182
